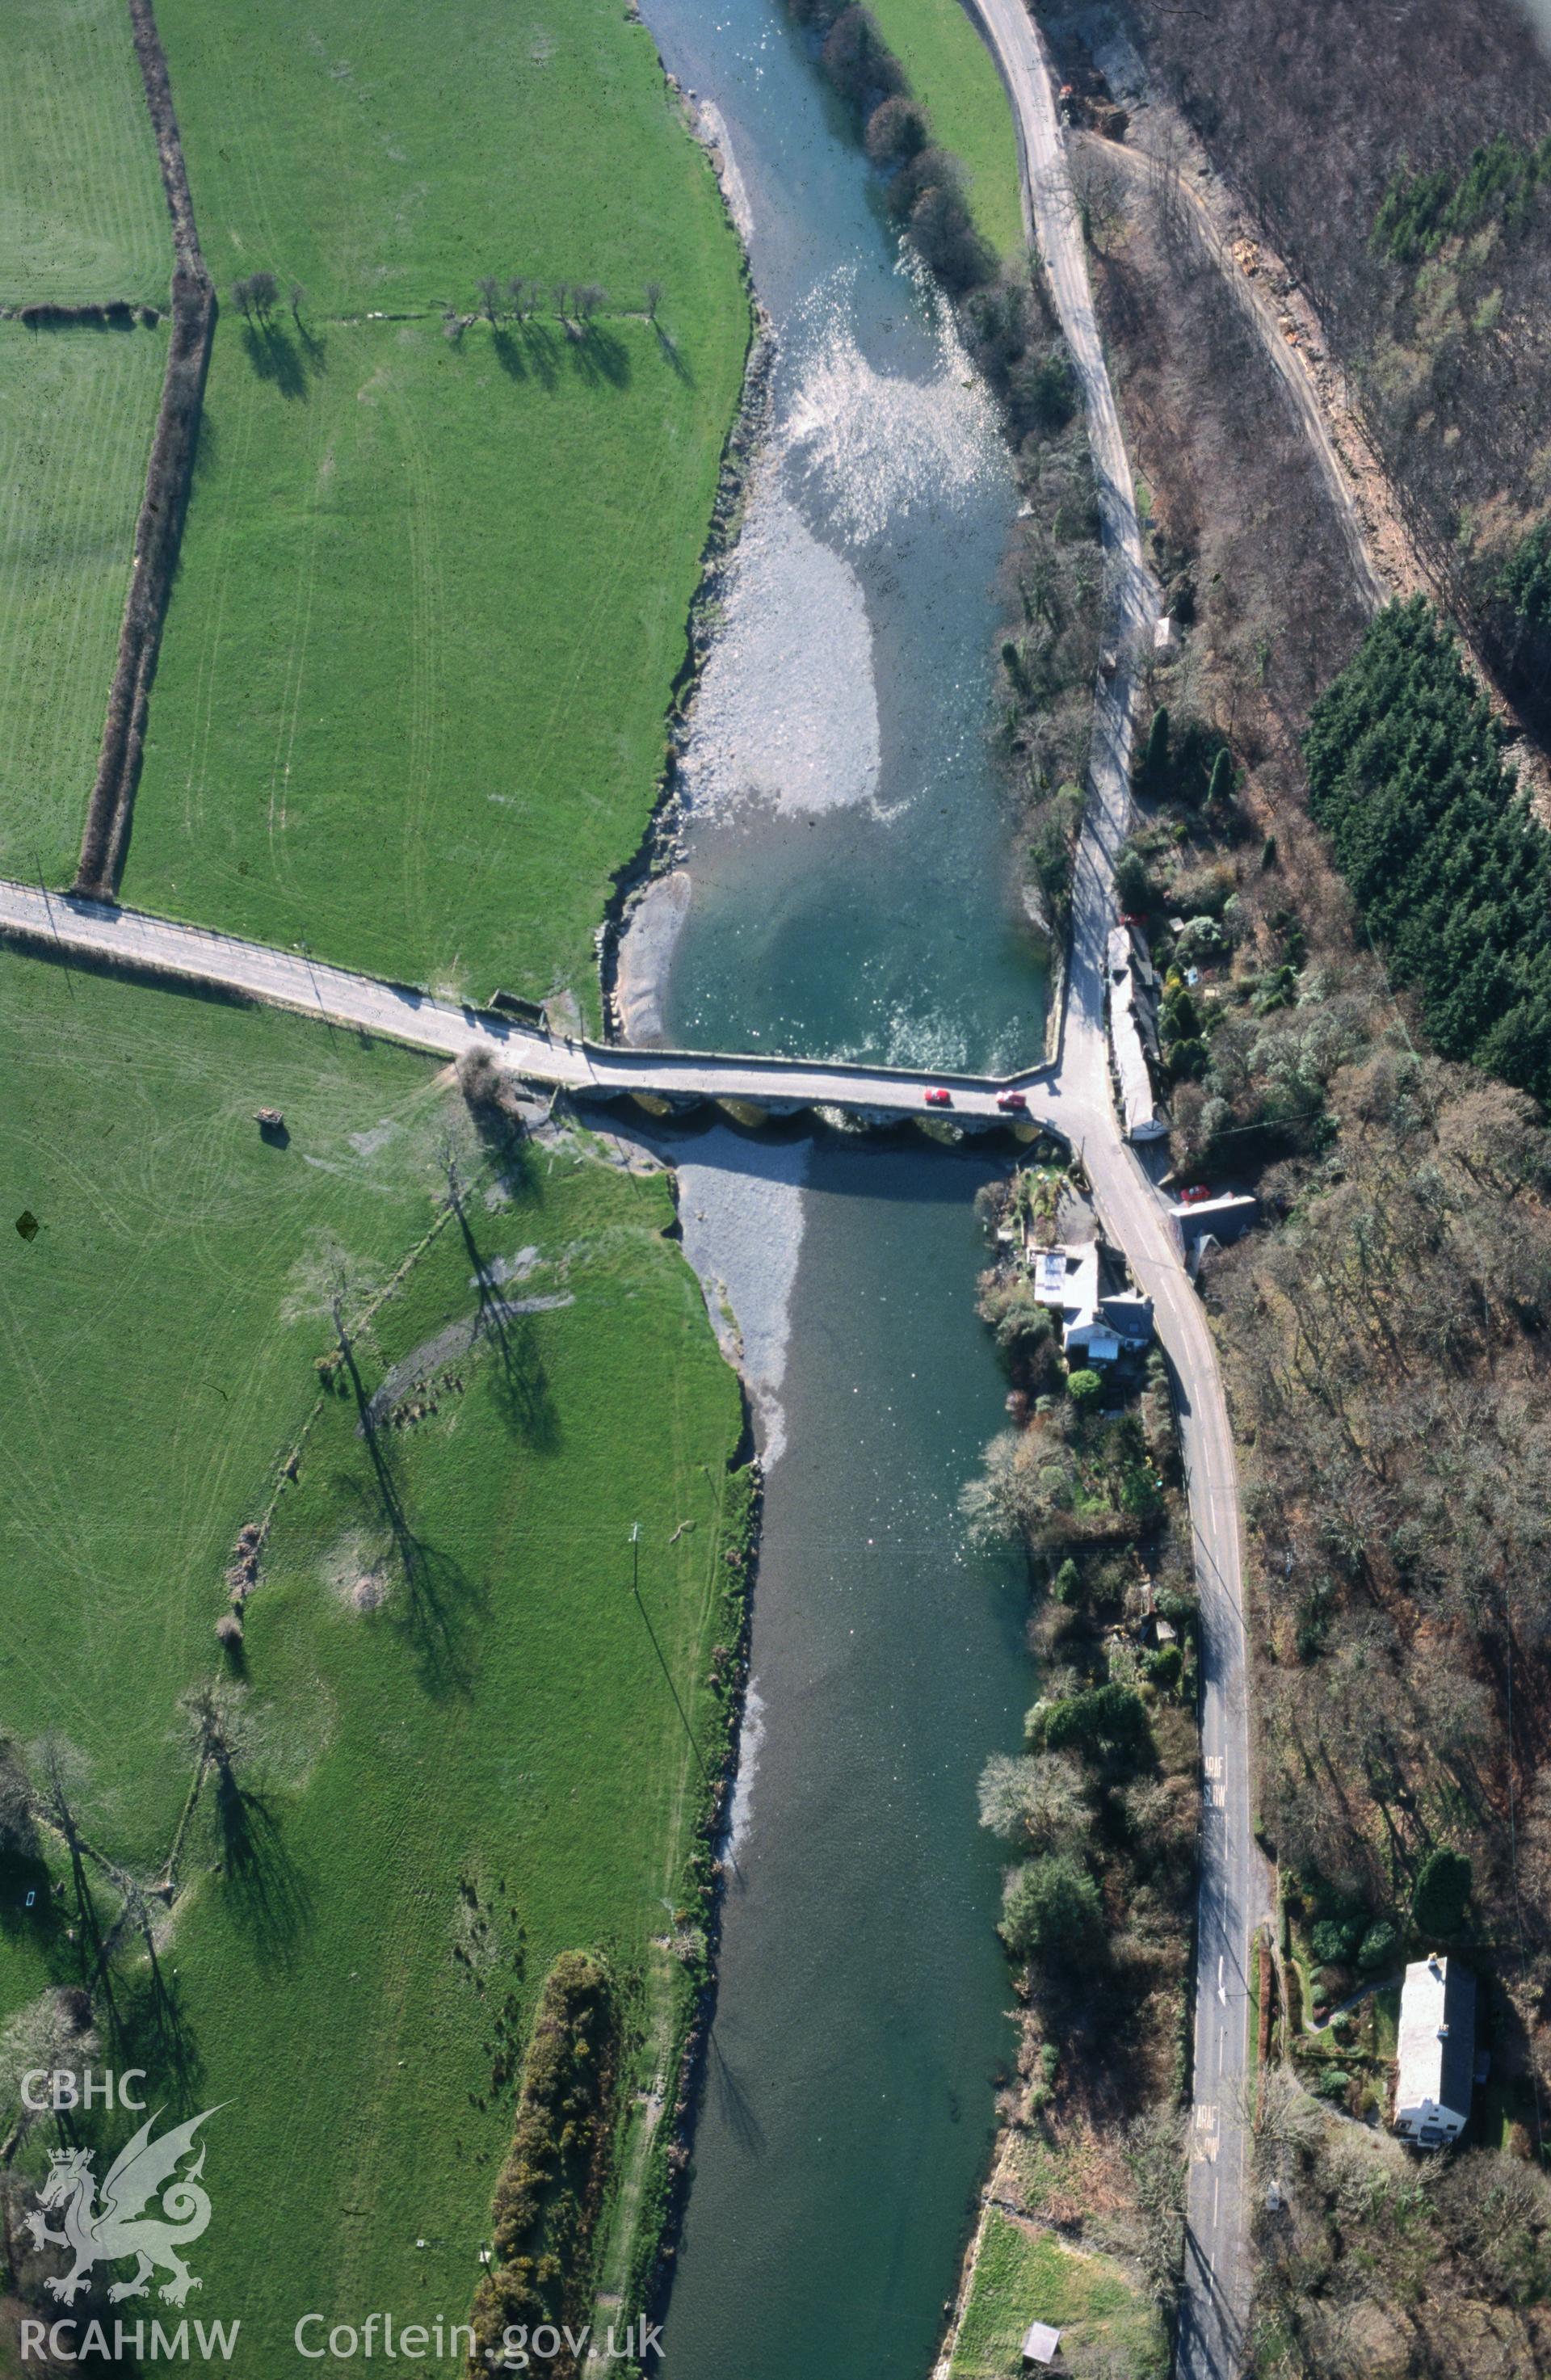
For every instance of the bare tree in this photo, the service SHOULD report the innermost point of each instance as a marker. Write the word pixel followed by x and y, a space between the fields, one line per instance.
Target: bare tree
pixel 296 294
pixel 517 289
pixel 654 300
pixel 490 290
pixel 590 297
pixel 16 1801
pixel 562 299
pixel 265 290
pixel 242 296
pixel 1100 195
pixel 219 1726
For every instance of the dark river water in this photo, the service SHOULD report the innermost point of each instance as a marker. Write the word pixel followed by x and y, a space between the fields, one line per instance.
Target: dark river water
pixel 850 855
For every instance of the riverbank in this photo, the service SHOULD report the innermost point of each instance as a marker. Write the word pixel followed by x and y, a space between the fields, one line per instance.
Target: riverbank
pixel 1100 1814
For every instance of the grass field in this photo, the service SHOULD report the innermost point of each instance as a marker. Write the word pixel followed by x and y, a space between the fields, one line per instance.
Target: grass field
pixel 433 594
pixel 431 599
pixel 81 211
pixel 388 156
pixel 76 409
pixel 438 1794
pixel 951 72
pixel 1023 2277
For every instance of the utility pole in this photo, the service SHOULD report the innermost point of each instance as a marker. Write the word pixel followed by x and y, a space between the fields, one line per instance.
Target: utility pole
pixel 636 1591
pixel 317 991
pixel 53 922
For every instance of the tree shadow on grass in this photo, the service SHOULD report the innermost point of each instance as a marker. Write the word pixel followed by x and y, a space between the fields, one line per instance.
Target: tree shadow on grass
pixel 508 354
pixel 599 356
pixel 268 1893
pixel 534 347
pixel 441 1602
pixel 522 1393
pixel 668 348
pixel 154 2030
pixel 274 356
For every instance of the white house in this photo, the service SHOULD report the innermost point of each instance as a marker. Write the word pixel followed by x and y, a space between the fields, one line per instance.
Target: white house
pixel 1098 1323
pixel 1436 2052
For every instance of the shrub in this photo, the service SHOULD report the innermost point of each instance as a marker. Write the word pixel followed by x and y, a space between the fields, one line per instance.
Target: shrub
pixel 1085 1388
pixel 1334 1939
pixel 546 2196
pixel 1154 758
pixel 1049 2060
pixel 1108 1723
pixel 1050 1908
pixel 1067 1584
pixel 1378 1945
pixel 228 1630
pixel 1333 2082
pixel 1132 884
pixel 1443 1887
pixel 943 230
pixel 1166 1667
pixel 858 62
pixel 896 131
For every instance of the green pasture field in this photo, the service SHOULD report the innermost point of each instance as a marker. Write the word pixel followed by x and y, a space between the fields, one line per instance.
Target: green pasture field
pixel 951 73
pixel 432 591
pixel 77 411
pixel 82 216
pixel 457 1750
pixel 431 599
pixel 387 156
pixel 1022 2276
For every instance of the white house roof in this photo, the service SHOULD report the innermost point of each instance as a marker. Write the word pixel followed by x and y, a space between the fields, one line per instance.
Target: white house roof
pixel 1070 1280
pixel 1436 2051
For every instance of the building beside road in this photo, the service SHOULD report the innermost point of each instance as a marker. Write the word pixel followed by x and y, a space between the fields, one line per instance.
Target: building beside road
pixel 1436 2053
pixel 1132 990
pixel 1102 1317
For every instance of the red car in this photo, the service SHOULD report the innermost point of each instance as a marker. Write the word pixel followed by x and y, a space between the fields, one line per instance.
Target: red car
pixel 938 1098
pixel 1194 1196
pixel 1013 1102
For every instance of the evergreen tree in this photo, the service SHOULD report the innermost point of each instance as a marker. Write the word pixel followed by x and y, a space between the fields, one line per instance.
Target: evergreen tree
pixel 1155 765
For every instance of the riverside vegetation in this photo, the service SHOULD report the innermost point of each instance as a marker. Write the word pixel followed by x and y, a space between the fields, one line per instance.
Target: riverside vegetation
pixel 1008 325
pixel 1100 1811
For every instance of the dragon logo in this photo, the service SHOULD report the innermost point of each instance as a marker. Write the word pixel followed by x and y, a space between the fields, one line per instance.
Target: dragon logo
pixel 105 2232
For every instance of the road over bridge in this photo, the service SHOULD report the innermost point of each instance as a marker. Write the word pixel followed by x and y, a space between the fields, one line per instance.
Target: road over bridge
pixel 1072 1096
pixel 134 939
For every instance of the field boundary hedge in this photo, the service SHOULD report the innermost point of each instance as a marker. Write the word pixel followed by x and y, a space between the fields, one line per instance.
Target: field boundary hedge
pixel 158 530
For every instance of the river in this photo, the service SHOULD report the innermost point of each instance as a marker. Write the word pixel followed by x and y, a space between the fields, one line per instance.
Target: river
pixel 851 870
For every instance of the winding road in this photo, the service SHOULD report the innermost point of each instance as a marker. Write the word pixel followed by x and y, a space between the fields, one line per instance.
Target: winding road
pixel 1072 1095
pixel 1234 1893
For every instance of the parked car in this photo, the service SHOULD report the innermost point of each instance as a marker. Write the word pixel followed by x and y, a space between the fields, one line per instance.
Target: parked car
pixel 1013 1102
pixel 938 1097
pixel 1195 1196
